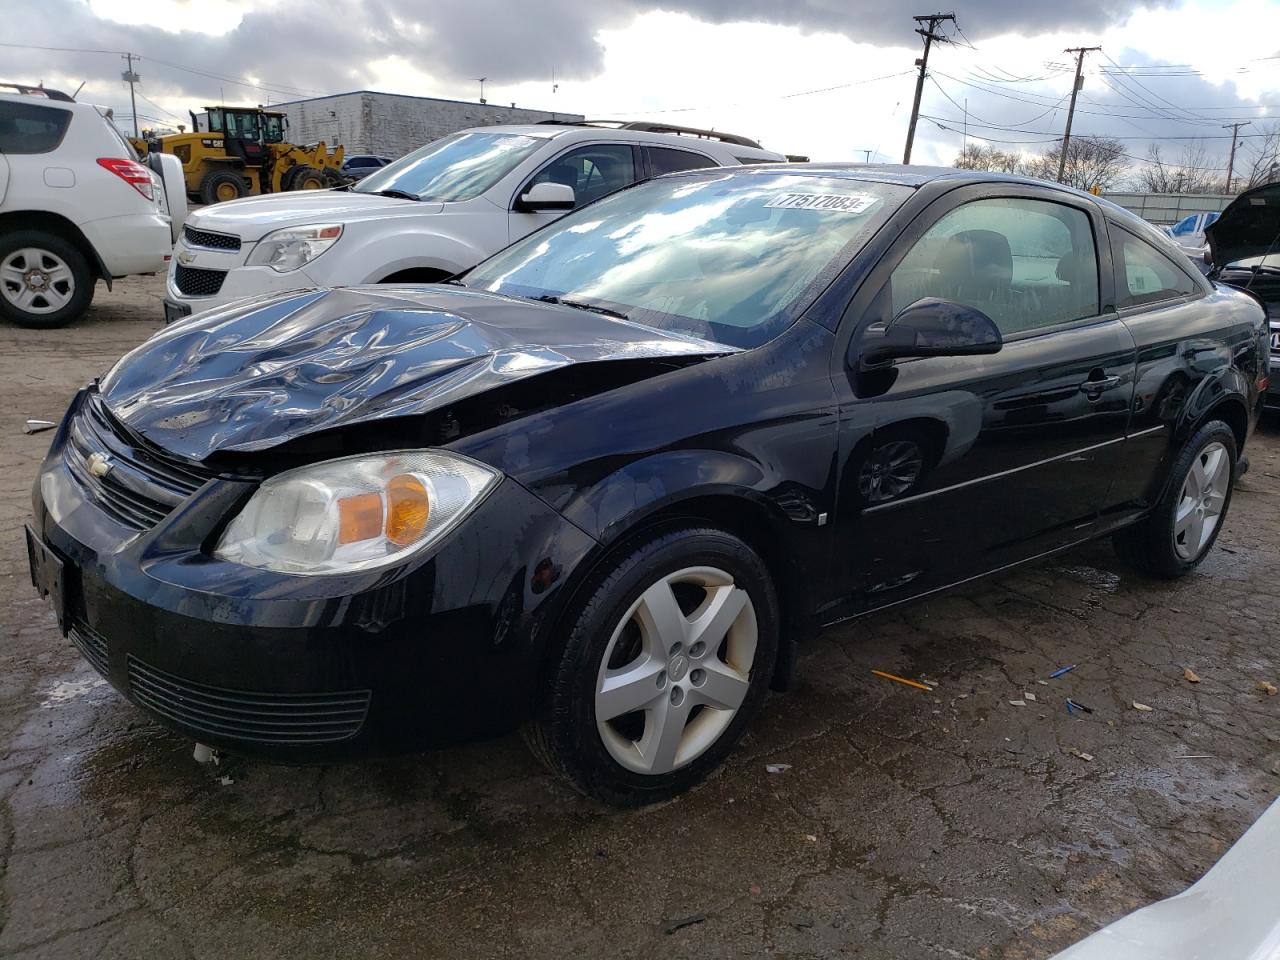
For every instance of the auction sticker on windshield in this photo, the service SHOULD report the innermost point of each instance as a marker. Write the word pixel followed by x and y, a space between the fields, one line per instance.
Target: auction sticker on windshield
pixel 843 203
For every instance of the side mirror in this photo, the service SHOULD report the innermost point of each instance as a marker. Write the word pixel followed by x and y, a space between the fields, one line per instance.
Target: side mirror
pixel 546 196
pixel 931 328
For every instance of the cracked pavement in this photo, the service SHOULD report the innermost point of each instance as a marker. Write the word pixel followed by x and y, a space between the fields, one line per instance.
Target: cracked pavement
pixel 909 825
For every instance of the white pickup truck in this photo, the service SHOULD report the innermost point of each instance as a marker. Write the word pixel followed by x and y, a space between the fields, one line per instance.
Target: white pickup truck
pixel 432 213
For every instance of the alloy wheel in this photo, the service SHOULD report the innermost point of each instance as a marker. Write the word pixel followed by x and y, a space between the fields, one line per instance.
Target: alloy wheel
pixel 1204 494
pixel 36 281
pixel 676 670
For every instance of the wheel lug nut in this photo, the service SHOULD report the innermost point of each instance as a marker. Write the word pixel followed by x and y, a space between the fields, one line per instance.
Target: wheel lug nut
pixel 698 649
pixel 677 696
pixel 662 679
pixel 675 648
pixel 698 677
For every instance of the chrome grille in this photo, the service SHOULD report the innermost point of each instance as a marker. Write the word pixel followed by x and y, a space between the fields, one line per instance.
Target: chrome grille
pixel 246 715
pixel 143 484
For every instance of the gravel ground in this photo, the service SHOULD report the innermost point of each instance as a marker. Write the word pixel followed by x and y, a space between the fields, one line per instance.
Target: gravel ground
pixel 908 825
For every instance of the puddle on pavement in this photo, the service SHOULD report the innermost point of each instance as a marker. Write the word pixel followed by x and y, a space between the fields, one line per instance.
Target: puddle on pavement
pixel 64 691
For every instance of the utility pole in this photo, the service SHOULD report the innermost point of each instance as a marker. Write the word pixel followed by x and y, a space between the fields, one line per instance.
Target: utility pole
pixel 131 78
pixel 1231 161
pixel 1071 110
pixel 929 34
pixel 481 81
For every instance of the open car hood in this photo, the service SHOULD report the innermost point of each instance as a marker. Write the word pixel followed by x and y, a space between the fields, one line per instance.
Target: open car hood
pixel 259 373
pixel 1249 227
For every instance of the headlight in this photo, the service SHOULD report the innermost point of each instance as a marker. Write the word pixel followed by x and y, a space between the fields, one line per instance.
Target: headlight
pixel 356 513
pixel 290 248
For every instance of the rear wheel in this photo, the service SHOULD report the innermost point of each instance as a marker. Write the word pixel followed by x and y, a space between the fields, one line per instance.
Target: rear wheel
pixel 222 185
pixel 307 178
pixel 333 178
pixel 1180 531
pixel 662 669
pixel 45 280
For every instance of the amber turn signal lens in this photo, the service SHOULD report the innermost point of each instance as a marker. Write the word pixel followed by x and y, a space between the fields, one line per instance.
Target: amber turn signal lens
pixel 408 508
pixel 359 518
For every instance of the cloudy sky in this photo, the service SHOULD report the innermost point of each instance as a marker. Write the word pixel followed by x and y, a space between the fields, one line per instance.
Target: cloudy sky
pixel 832 79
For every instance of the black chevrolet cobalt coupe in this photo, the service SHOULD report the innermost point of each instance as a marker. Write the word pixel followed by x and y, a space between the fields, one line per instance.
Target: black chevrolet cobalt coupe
pixel 602 485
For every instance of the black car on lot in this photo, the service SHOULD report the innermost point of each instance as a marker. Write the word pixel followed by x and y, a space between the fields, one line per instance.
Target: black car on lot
pixel 601 486
pixel 1244 251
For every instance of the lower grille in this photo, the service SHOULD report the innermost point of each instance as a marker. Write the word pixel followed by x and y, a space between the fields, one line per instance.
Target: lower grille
pixel 275 718
pixel 198 283
pixel 91 644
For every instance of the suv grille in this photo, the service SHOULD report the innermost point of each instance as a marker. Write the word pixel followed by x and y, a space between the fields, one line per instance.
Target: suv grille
pixel 248 716
pixel 143 484
pixel 214 241
pixel 198 283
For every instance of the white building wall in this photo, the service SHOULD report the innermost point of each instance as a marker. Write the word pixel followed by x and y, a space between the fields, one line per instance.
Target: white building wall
pixel 389 125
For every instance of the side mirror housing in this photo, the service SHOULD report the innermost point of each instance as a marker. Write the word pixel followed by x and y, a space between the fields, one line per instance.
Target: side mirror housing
pixel 546 196
pixel 930 328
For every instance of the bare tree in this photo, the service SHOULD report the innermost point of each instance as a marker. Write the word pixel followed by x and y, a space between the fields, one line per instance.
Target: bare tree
pixel 978 156
pixel 1192 173
pixel 1091 162
pixel 1258 158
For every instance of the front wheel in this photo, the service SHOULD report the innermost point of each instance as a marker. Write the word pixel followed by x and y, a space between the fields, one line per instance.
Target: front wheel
pixel 662 667
pixel 1181 529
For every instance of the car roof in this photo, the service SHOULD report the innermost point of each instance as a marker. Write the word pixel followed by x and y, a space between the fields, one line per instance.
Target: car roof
pixel 548 131
pixel 906 175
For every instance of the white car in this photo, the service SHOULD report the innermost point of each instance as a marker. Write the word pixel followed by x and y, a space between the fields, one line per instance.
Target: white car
pixel 76 206
pixel 1231 913
pixel 431 214
pixel 1188 233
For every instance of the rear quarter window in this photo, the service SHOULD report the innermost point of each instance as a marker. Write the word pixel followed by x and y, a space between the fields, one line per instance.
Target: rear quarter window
pixel 31 127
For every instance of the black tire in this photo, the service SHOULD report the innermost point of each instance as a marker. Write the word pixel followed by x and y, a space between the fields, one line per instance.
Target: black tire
pixel 51 252
pixel 306 177
pixel 1151 544
pixel 333 178
pixel 220 185
pixel 565 736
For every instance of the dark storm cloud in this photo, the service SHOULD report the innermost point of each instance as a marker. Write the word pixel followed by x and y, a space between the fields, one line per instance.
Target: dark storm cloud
pixel 326 46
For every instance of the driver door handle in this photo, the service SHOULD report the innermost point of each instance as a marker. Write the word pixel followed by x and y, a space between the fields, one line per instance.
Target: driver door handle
pixel 1093 389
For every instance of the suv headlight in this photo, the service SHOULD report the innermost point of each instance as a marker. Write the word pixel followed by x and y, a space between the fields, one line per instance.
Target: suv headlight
pixel 356 513
pixel 290 248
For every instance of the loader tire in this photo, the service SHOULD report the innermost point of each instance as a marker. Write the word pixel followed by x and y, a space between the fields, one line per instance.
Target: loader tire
pixel 220 185
pixel 307 178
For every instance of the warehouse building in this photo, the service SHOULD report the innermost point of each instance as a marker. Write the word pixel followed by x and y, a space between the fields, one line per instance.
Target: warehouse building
pixel 391 124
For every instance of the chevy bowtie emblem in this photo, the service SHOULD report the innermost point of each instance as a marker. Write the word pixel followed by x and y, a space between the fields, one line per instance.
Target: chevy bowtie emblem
pixel 185 257
pixel 99 464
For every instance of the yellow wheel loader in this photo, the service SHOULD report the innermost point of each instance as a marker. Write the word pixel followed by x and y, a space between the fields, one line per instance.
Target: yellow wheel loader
pixel 237 151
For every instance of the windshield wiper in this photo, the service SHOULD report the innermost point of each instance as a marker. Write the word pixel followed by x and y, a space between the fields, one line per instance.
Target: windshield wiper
pixel 581 305
pixel 399 194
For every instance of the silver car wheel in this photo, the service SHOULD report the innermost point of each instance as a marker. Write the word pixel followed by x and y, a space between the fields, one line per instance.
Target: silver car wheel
pixel 1204 494
pixel 670 683
pixel 36 281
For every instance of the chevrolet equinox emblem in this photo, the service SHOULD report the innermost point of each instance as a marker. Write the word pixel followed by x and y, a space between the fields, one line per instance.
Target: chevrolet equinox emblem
pixel 185 257
pixel 98 463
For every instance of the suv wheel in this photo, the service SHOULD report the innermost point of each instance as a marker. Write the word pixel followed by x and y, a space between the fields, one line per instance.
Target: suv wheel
pixel 662 669
pixel 1180 531
pixel 44 280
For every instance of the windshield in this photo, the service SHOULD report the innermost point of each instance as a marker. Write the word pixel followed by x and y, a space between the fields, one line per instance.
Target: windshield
pixel 731 258
pixel 459 167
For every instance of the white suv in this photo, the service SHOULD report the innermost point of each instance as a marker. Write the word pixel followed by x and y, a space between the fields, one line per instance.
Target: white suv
pixel 431 214
pixel 76 206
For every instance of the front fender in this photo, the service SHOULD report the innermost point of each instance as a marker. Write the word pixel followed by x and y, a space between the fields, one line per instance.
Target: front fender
pixel 389 253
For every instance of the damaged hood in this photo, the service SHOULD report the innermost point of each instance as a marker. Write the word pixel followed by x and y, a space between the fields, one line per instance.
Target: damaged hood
pixel 256 374
pixel 1249 227
pixel 251 218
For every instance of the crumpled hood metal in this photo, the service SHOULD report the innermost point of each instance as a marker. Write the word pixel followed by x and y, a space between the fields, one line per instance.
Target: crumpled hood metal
pixel 1249 227
pixel 258 373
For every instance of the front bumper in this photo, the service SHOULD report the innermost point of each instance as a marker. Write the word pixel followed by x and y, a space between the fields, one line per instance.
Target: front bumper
pixel 212 278
pixel 308 669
